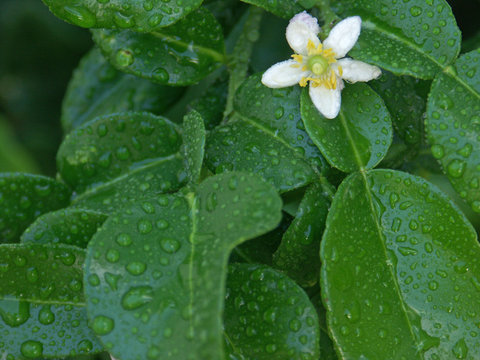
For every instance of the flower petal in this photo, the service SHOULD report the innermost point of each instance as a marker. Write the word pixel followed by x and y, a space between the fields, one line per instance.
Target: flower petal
pixel 283 74
pixel 353 70
pixel 343 36
pixel 327 101
pixel 302 27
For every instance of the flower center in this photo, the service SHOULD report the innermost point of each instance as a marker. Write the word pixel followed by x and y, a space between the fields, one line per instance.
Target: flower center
pixel 317 64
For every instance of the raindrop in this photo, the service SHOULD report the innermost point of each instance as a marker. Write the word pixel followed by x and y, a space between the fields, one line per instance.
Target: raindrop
pixel 136 268
pixel 46 316
pixel 124 58
pixel 32 349
pixel 137 297
pixel 80 16
pixel 456 168
pixel 170 245
pixel 103 325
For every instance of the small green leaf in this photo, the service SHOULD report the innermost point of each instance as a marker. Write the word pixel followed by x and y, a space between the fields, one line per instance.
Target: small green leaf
pixel 193 145
pixel 283 8
pixel 181 54
pixel 453 125
pixel 110 147
pixel 267 128
pixel 405 105
pixel 160 267
pixel 67 226
pixel 268 316
pixel 415 37
pixel 400 266
pixel 139 15
pixel 24 197
pixel 164 176
pixel 41 311
pixel 97 89
pixel 359 137
pixel 298 254
pixel 242 145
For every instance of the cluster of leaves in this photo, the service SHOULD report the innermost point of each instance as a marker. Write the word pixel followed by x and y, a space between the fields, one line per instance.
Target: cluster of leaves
pixel 175 155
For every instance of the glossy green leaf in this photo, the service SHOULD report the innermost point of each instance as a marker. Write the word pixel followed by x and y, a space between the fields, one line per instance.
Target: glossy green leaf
pixel 139 15
pixel 298 254
pixel 400 267
pixel 327 350
pixel 156 271
pixel 108 148
pixel 243 146
pixel 268 316
pixel 405 104
pixel 359 137
pixel 453 125
pixel 266 135
pixel 67 226
pixel 193 145
pixel 97 89
pixel 283 8
pixel 181 54
pixel 24 197
pixel 41 311
pixel 415 37
pixel 165 176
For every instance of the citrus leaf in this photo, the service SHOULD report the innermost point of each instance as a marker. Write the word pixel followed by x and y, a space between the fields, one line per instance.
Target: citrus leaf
pixel 181 54
pixel 140 15
pixel 266 135
pixel 453 125
pixel 399 266
pixel 415 37
pixel 405 105
pixel 67 226
pixel 41 311
pixel 193 145
pixel 282 8
pixel 164 176
pixel 244 146
pixel 159 267
pixel 359 137
pixel 298 253
pixel 24 197
pixel 97 89
pixel 109 147
pixel 268 316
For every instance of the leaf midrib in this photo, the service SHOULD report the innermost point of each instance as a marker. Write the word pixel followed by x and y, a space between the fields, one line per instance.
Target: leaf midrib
pixel 44 302
pixel 356 153
pixel 217 56
pixel 107 184
pixel 452 74
pixel 382 242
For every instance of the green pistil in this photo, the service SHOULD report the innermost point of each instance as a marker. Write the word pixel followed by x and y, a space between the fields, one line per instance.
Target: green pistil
pixel 317 64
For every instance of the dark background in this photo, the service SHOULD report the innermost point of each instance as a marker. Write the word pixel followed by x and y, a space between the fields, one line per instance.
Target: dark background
pixel 38 53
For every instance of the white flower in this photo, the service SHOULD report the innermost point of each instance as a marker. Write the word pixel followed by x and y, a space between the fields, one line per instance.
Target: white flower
pixel 323 65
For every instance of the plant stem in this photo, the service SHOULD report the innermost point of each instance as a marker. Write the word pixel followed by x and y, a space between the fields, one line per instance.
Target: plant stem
pixel 240 57
pixel 327 15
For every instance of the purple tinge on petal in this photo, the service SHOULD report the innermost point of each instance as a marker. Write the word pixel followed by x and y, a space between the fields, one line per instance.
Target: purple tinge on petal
pixel 302 28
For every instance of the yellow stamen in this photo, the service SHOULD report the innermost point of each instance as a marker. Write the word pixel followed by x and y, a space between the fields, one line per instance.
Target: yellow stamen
pixel 340 70
pixel 297 58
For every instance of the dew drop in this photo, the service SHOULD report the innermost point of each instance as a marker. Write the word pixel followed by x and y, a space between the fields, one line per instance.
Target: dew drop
pixel 456 168
pixel 161 75
pixel 32 349
pixel 103 325
pixel 124 58
pixel 136 268
pixel 137 297
pixel 46 316
pixel 80 16
pixel 170 246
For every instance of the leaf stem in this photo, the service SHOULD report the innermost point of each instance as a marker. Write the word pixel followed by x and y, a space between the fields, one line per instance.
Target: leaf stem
pixel 240 57
pixel 327 16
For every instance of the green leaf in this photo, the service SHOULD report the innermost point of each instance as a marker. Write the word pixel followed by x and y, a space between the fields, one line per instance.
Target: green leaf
pixel 160 266
pixel 266 135
pixel 67 226
pixel 193 145
pixel 110 147
pixel 359 137
pixel 405 104
pixel 181 54
pixel 283 8
pixel 41 311
pixel 453 125
pixel 24 197
pixel 415 37
pixel 97 89
pixel 298 254
pixel 139 15
pixel 165 176
pixel 268 316
pixel 400 267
